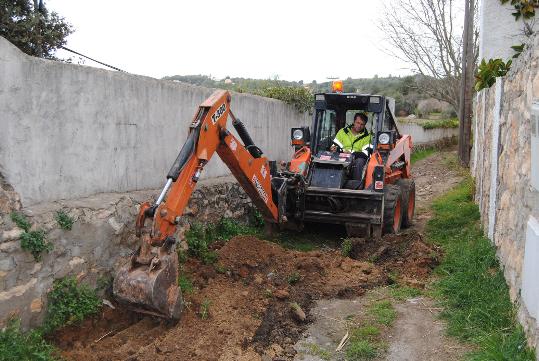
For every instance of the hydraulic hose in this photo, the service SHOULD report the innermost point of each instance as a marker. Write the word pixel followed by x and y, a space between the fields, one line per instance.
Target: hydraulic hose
pixel 246 138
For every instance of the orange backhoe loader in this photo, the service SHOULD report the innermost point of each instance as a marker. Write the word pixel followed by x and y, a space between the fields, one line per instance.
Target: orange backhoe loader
pixel 314 186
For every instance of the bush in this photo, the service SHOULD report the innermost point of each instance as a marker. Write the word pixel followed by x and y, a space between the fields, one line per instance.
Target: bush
pixel 18 346
pixel 346 247
pixel 35 243
pixel 299 97
pixel 20 221
pixel 70 303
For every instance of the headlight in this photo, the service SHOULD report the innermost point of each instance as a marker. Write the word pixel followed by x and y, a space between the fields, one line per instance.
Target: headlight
pixel 297 134
pixel 383 138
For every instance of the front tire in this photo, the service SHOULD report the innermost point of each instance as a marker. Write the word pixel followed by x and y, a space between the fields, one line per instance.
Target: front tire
pixel 392 209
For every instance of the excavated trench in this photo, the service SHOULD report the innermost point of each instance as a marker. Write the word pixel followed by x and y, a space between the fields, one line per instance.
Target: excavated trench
pixel 254 305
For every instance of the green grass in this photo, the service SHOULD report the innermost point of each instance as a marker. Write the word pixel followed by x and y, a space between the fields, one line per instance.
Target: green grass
pixel 315 350
pixel 366 332
pixel 294 278
pixel 199 237
pixel 470 285
pixel 30 346
pixel 69 303
pixel 185 283
pixel 403 293
pixel 360 349
pixel 421 154
pixel 383 312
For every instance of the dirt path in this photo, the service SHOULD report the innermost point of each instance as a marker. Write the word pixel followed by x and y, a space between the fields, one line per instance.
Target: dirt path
pixel 261 300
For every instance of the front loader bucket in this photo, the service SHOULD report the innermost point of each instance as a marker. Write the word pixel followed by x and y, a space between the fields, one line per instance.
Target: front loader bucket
pixel 151 288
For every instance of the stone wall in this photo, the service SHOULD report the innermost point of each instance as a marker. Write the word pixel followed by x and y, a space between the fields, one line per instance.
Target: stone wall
pixel 101 237
pixel 501 164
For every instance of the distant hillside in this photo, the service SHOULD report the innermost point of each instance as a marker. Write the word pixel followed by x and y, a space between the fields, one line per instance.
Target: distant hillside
pixel 403 89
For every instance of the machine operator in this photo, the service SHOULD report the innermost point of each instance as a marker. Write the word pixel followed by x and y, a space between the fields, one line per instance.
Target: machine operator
pixel 354 138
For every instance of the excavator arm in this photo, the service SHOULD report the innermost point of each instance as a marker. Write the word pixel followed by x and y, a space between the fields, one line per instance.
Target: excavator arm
pixel 148 282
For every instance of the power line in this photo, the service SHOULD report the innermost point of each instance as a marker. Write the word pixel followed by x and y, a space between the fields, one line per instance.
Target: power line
pixel 97 61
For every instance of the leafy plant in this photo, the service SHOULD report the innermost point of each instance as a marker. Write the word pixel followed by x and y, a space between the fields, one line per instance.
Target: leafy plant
pixel 346 247
pixel 69 303
pixel 16 345
pixel 518 49
pixel 523 8
pixel 489 71
pixel 21 221
pixel 205 309
pixel 35 243
pixel 64 220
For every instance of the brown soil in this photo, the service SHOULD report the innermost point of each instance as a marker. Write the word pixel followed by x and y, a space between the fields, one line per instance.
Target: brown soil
pixel 250 312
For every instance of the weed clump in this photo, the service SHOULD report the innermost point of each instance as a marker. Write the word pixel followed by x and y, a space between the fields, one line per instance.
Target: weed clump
pixel 35 243
pixel 70 303
pixel 31 241
pixel 204 311
pixel 346 247
pixel 200 237
pixel 64 220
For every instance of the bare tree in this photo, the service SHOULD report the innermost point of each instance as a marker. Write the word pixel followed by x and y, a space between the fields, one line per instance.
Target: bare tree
pixel 428 35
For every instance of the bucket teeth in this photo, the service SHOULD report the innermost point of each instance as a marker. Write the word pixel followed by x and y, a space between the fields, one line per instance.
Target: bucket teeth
pixel 151 288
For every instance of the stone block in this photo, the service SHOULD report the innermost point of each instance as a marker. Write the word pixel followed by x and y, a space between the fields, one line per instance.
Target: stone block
pixel 10 247
pixel 11 235
pixel 7 264
pixel 36 305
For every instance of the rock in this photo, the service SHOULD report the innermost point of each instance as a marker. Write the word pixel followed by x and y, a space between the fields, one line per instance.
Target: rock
pixel 245 293
pixel 258 279
pixel 7 264
pixel 12 235
pixel 117 226
pixel 346 266
pixel 76 261
pixel 10 247
pixel 281 294
pixel 297 312
pixel 36 305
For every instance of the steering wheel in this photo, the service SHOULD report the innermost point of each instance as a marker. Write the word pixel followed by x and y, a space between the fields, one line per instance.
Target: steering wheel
pixel 339 148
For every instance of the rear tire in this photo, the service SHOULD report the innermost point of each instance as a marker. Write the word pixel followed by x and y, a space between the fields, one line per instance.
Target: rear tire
pixel 392 209
pixel 408 201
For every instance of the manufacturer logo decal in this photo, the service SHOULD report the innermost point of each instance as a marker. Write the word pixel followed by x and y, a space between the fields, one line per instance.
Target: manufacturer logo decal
pixel 218 113
pixel 263 171
pixel 260 189
pixel 233 145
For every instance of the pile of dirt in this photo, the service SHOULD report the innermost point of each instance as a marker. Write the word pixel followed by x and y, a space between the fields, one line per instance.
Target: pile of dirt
pixel 255 301
pixel 405 257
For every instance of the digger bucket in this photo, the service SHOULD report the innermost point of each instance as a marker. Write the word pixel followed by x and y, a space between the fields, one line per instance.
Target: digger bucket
pixel 151 288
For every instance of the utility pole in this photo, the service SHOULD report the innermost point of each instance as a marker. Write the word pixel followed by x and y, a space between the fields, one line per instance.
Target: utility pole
pixel 38 8
pixel 466 88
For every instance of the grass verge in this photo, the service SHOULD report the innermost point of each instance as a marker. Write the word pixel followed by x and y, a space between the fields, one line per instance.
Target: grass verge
pixel 18 346
pixel 421 154
pixel 470 285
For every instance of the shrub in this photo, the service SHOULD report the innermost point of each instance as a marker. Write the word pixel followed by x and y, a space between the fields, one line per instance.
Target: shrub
pixel 346 247
pixel 69 303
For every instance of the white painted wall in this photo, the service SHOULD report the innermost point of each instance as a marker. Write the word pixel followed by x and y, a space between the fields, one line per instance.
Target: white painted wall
pixel 498 30
pixel 70 131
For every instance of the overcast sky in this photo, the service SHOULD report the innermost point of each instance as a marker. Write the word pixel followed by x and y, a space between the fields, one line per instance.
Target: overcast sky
pixel 291 39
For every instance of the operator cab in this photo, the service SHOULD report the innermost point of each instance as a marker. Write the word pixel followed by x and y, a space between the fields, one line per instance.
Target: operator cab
pixel 334 111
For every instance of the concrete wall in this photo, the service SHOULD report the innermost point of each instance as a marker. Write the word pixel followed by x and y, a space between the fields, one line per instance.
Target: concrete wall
pixel 422 136
pixel 71 131
pixel 502 163
pixel 498 30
